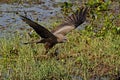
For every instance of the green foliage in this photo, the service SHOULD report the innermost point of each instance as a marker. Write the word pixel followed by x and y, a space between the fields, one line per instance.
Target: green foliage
pixel 83 54
pixel 99 4
pixel 103 20
pixel 66 8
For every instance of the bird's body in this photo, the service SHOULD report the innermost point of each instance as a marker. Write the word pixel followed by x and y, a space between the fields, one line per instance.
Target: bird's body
pixel 58 34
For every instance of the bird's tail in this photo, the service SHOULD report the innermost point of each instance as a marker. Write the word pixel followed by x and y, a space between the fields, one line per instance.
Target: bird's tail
pixel 78 18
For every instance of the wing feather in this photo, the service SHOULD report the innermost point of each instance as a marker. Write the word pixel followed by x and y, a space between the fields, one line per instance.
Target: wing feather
pixel 40 30
pixel 71 22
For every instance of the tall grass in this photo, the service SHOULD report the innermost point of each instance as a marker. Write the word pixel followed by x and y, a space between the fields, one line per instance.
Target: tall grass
pixel 83 55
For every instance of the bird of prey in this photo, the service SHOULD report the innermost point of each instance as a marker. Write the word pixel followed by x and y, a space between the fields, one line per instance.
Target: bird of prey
pixel 57 35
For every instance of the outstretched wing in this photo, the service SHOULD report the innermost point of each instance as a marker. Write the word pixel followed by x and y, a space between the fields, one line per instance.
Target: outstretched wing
pixel 71 22
pixel 40 30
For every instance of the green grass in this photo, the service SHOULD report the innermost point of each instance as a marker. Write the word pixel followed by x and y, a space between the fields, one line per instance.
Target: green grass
pixel 82 55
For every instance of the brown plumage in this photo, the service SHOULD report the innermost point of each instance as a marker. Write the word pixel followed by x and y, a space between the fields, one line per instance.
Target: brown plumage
pixel 58 34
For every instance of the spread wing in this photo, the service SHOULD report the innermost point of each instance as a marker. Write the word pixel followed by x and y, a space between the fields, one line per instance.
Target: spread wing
pixel 40 30
pixel 71 22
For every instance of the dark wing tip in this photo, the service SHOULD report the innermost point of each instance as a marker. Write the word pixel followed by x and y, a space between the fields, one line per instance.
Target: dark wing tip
pixel 78 17
pixel 40 30
pixel 83 15
pixel 25 19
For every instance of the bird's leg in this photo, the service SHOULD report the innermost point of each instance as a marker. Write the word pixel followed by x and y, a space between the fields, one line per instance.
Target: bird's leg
pixel 56 52
pixel 46 51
